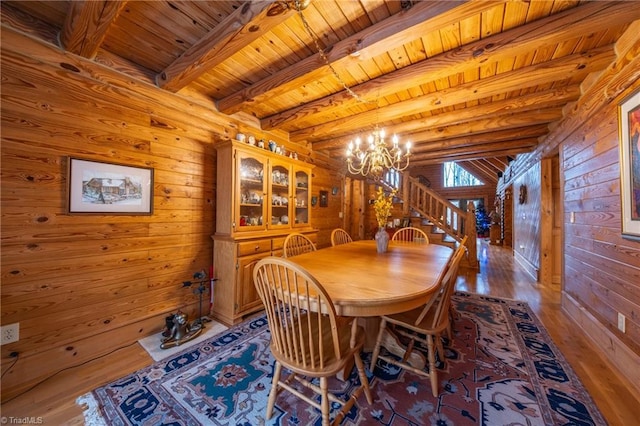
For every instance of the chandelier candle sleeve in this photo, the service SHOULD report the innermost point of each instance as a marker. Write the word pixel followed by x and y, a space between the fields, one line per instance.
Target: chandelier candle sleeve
pixel 378 156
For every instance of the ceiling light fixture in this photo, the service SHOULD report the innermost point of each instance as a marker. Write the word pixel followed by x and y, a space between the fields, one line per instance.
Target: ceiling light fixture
pixel 373 160
pixel 378 156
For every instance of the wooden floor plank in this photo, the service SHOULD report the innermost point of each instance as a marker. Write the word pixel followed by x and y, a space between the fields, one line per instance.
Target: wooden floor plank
pixel 54 399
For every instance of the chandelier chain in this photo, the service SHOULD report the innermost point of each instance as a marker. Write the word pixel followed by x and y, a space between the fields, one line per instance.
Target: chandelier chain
pixel 324 57
pixel 377 157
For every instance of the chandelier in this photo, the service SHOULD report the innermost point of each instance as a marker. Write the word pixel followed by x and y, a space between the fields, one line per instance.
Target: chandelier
pixel 378 156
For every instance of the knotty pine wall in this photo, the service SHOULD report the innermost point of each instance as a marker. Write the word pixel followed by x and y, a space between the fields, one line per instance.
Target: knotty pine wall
pixel 601 270
pixel 82 286
pixel 526 220
pixel 326 219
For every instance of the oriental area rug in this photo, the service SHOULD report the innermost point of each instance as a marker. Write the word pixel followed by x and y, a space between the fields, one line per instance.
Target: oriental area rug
pixel 501 368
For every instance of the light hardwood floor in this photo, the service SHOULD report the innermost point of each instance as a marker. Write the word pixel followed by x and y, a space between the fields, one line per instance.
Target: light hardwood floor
pixel 54 399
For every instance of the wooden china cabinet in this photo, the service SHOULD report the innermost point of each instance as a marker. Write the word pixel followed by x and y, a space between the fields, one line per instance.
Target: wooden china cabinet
pixel 261 198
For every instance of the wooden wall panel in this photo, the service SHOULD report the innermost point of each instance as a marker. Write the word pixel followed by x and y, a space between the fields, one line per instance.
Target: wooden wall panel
pixel 326 219
pixel 68 278
pixel 84 285
pixel 526 219
pixel 602 268
pixel 601 276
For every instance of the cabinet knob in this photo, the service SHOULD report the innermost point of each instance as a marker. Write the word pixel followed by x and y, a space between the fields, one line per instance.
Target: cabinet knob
pixel 257 248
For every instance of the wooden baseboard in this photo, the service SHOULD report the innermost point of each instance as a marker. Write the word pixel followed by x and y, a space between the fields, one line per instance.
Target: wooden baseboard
pixel 529 267
pixel 616 353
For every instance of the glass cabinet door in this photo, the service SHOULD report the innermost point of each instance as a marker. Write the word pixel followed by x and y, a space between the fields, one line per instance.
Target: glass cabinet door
pixel 251 211
pixel 280 195
pixel 302 198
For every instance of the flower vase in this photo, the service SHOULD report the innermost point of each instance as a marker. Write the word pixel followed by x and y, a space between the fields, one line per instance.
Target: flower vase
pixel 382 240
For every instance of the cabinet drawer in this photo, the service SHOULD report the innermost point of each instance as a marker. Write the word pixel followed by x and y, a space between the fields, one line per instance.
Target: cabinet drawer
pixel 278 243
pixel 253 247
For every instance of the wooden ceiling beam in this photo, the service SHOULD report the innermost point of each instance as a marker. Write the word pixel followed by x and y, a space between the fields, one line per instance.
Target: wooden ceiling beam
pixel 498 164
pixel 486 125
pixel 240 28
pixel 526 143
pixel 447 156
pixel 521 104
pixel 87 24
pixel 480 131
pixel 479 169
pixel 571 66
pixel 374 40
pixel 468 140
pixel 571 23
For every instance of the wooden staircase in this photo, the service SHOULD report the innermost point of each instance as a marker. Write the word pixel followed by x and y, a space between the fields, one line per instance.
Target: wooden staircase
pixel 444 222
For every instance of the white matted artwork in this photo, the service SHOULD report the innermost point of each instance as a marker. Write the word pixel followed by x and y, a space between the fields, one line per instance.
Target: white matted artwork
pixel 96 187
pixel 629 119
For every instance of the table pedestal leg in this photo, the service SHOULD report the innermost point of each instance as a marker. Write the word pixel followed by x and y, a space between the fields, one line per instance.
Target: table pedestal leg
pixel 392 344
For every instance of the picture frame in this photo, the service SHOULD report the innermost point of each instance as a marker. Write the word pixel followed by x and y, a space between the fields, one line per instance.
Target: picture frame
pixel 96 187
pixel 629 132
pixel 324 198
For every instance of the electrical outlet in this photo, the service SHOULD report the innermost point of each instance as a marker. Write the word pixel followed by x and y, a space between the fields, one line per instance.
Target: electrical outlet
pixel 622 322
pixel 10 333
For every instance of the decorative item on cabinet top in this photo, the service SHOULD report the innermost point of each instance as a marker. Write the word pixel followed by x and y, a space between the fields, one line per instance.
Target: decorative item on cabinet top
pixel 270 146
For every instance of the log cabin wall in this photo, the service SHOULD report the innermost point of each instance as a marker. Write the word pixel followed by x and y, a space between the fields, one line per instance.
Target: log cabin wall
pixel 526 219
pixel 326 219
pixel 601 272
pixel 601 269
pixel 83 286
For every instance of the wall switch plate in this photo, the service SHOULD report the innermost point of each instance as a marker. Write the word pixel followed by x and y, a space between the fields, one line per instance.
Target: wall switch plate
pixel 622 322
pixel 9 333
pixel 572 217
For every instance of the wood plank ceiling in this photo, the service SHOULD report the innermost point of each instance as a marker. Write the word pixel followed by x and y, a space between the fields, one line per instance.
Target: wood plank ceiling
pixel 469 81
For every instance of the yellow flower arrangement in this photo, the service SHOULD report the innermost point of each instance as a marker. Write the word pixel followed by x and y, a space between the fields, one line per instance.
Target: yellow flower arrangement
pixel 383 205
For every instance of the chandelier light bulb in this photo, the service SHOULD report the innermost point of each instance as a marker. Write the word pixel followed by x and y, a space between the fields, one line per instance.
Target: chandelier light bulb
pixel 378 157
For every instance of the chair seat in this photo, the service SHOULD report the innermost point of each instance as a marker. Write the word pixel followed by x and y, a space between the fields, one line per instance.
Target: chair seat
pixel 425 326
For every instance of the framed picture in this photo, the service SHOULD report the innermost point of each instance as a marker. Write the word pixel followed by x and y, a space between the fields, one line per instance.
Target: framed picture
pixel 629 119
pixel 324 198
pixel 106 188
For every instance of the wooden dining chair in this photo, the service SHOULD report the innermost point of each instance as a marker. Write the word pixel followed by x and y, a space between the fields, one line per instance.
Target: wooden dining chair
pixel 340 236
pixel 424 324
pixel 296 244
pixel 410 234
pixel 307 337
pixel 452 311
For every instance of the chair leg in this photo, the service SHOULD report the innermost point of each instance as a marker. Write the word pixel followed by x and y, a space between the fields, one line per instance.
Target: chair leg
pixel 439 346
pixel 363 377
pixel 433 373
pixel 376 349
pixel 274 389
pixel 324 401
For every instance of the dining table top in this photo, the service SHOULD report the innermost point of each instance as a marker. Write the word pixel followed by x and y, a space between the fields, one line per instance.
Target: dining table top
pixel 364 283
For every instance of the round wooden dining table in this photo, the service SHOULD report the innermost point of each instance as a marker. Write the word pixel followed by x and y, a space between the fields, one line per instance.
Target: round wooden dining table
pixel 364 283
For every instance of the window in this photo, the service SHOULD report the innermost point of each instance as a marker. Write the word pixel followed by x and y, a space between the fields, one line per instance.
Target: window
pixel 392 178
pixel 455 176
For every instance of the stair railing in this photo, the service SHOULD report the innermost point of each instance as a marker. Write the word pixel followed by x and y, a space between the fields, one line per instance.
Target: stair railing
pixel 454 221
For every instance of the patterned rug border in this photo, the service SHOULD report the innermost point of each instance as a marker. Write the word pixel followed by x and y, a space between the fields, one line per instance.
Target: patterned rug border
pixel 240 333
